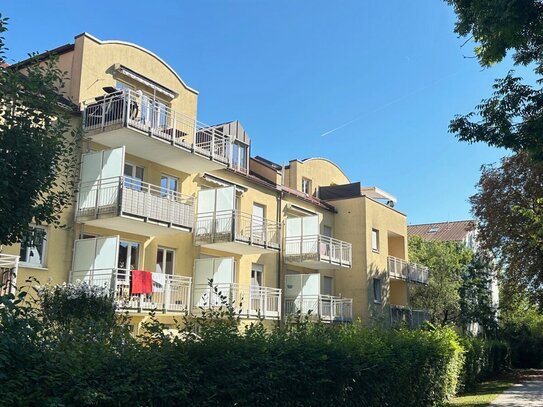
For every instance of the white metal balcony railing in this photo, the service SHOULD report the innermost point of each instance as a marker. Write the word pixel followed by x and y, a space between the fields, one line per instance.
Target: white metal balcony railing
pixel 327 308
pixel 318 248
pixel 135 110
pixel 249 301
pixel 171 293
pixel 401 269
pixel 130 196
pixel 8 273
pixel 232 225
pixel 405 315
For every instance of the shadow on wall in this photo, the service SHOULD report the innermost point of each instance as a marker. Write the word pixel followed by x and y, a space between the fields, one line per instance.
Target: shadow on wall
pixel 378 294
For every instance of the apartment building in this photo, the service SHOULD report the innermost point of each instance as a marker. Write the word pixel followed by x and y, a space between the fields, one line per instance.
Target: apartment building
pixel 161 192
pixel 466 233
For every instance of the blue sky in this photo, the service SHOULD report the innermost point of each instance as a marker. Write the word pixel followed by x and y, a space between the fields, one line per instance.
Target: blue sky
pixel 390 74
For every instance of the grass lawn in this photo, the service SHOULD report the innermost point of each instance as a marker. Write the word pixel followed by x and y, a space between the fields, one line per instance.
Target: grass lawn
pixel 483 394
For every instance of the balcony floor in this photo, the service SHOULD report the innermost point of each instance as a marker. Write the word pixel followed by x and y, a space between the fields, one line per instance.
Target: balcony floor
pixel 141 144
pixel 316 264
pixel 131 225
pixel 239 248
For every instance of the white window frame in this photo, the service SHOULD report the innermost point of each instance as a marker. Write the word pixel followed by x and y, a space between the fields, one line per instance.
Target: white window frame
pixel 375 240
pixel 306 186
pixel 165 250
pixel 132 179
pixel 257 268
pixel 130 243
pixel 168 192
pixel 43 262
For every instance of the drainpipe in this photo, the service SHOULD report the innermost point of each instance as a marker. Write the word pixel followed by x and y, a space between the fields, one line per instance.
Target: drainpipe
pixel 280 262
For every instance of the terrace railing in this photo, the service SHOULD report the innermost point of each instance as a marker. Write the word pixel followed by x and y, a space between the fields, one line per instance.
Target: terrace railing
pixel 171 293
pixel 249 301
pixel 401 269
pixel 232 225
pixel 136 110
pixel 318 248
pixel 8 273
pixel 327 308
pixel 130 196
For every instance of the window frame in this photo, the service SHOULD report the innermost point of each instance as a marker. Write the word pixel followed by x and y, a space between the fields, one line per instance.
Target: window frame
pixel 377 284
pixel 165 251
pixel 307 182
pixel 43 261
pixel 131 181
pixel 260 272
pixel 375 248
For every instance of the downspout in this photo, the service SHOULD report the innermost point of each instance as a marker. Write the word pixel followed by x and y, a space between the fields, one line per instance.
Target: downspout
pixel 280 262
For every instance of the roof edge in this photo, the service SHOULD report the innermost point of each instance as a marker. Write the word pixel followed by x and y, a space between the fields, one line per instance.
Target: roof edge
pixel 139 47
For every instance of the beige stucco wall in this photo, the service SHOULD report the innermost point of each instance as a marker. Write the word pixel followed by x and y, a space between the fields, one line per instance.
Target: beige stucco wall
pixel 90 68
pixel 320 171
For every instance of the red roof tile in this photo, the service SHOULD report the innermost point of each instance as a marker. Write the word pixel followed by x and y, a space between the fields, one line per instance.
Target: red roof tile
pixel 444 231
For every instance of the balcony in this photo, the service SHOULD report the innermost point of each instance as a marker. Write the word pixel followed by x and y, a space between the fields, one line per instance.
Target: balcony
pixel 401 315
pixel 411 272
pixel 171 294
pixel 318 252
pixel 236 232
pixel 8 273
pixel 327 308
pixel 130 205
pixel 248 301
pixel 153 131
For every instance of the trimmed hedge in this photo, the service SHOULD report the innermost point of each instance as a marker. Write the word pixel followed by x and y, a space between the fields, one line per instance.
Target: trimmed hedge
pixel 484 359
pixel 85 361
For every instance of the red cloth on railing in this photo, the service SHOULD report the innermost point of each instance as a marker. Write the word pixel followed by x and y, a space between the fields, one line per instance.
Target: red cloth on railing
pixel 141 282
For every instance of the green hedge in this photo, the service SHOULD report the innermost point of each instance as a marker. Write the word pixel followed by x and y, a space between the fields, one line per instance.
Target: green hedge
pixel 79 361
pixel 484 359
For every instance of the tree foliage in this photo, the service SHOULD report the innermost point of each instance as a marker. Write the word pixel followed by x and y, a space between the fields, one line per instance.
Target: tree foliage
pixel 513 116
pixel 37 146
pixel 448 262
pixel 476 302
pixel 508 206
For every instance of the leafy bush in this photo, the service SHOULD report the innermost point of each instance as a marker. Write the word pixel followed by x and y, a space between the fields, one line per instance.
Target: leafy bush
pixel 213 362
pixel 526 345
pixel 484 359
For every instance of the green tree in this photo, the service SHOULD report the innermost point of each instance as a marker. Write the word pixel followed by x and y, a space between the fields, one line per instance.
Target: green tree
pixel 37 146
pixel 512 117
pixel 508 206
pixel 448 262
pixel 476 303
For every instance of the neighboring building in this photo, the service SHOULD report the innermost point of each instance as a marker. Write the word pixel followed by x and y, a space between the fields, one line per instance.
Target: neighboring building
pixel 162 192
pixel 464 231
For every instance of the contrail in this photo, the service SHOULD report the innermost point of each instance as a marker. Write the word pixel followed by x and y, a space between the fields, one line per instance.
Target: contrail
pixel 406 96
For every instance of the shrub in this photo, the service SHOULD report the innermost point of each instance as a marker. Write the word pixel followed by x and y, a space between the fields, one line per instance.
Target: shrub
pixel 210 363
pixel 484 359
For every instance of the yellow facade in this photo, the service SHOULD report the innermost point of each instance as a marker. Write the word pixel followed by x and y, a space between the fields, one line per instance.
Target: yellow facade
pixel 339 251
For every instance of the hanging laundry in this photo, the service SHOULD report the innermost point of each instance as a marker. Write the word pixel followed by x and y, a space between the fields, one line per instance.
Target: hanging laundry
pixel 141 282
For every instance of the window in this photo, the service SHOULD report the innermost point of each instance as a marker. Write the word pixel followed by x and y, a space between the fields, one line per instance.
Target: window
pixel 306 186
pixel 165 259
pixel 377 290
pixel 128 255
pixel 256 275
pixel 258 227
pixel 33 249
pixel 375 240
pixel 328 286
pixel 239 156
pixel 168 186
pixel 327 231
pixel 133 176
pixel 122 86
